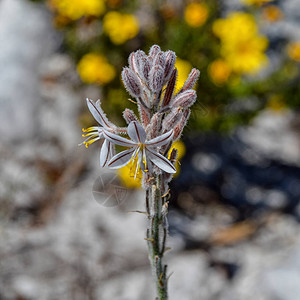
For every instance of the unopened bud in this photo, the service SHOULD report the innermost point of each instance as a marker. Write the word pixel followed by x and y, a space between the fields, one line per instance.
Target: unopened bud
pixel 185 99
pixel 131 82
pixel 172 119
pixel 169 64
pixel 129 116
pixel 159 60
pixel 154 50
pixel 144 69
pixel 170 88
pixel 144 115
pixel 190 82
pixel 154 126
pixel 179 127
pixel 156 78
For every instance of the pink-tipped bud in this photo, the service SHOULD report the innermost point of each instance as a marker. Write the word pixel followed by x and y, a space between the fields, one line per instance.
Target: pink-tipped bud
pixel 156 78
pixel 172 119
pixel 132 62
pixel 185 99
pixel 129 116
pixel 170 88
pixel 131 82
pixel 154 50
pixel 179 127
pixel 191 80
pixel 169 64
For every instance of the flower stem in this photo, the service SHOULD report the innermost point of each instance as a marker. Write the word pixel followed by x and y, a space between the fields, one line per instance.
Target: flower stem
pixel 156 236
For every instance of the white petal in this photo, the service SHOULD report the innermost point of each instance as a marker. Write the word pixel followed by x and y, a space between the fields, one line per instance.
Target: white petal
pixel 105 153
pixel 121 159
pixel 136 132
pixel 161 140
pixel 97 112
pixel 116 139
pixel 160 161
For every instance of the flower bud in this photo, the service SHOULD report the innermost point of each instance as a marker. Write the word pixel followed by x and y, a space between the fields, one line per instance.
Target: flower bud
pixel 156 78
pixel 169 64
pixel 190 82
pixel 129 116
pixel 144 69
pixel 185 99
pixel 154 126
pixel 159 60
pixel 131 82
pixel 172 119
pixel 170 88
pixel 154 50
pixel 179 127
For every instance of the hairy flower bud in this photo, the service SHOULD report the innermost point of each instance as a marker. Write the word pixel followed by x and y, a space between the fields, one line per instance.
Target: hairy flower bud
pixel 154 126
pixel 131 82
pixel 185 99
pixel 172 119
pixel 169 64
pixel 129 116
pixel 159 60
pixel 190 82
pixel 170 88
pixel 154 50
pixel 179 127
pixel 156 78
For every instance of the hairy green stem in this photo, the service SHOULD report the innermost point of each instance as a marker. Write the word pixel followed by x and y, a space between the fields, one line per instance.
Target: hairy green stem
pixel 156 236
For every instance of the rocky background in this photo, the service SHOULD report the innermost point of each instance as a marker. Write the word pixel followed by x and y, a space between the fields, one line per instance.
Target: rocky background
pixel 234 210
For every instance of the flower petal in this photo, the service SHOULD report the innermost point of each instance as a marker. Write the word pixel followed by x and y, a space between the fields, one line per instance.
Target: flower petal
pixel 160 161
pixel 105 153
pixel 121 159
pixel 116 139
pixel 136 132
pixel 161 140
pixel 97 113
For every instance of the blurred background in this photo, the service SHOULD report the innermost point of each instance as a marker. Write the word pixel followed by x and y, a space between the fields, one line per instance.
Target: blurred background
pixel 234 210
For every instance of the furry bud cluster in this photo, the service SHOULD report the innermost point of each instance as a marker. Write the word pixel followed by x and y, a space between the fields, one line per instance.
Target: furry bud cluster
pixel 163 113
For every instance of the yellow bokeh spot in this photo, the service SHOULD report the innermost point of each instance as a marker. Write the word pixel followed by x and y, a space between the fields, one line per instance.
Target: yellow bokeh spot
pixel 293 51
pixel 75 9
pixel 272 13
pixel 120 27
pixel 184 69
pixel 242 47
pixel 196 14
pixel 219 71
pixel 94 68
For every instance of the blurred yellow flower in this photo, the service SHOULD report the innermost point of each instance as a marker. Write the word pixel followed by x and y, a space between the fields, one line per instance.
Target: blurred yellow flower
pixel 256 2
pixel 242 47
pixel 94 68
pixel 195 14
pixel 293 51
pixel 219 71
pixel 120 27
pixel 127 178
pixel 272 13
pixel 184 69
pixel 75 9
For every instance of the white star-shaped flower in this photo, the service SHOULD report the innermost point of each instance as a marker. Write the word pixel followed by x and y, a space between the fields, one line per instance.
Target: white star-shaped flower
pixel 95 133
pixel 142 152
